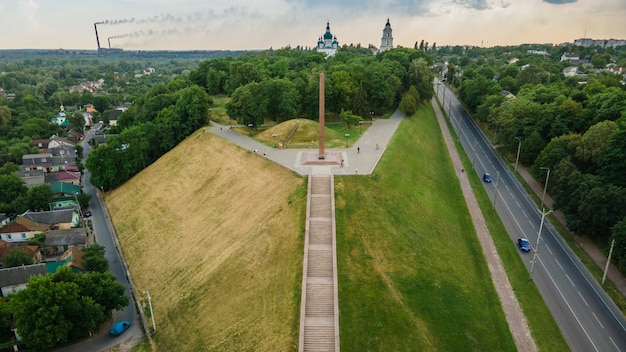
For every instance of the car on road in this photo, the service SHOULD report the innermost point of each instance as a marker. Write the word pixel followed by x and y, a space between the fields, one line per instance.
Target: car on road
pixel 523 244
pixel 487 177
pixel 87 213
pixel 119 327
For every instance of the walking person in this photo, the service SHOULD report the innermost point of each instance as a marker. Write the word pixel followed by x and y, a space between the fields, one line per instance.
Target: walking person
pixel 358 150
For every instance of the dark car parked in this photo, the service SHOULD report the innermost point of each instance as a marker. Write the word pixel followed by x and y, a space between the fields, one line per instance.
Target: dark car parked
pixel 87 213
pixel 487 177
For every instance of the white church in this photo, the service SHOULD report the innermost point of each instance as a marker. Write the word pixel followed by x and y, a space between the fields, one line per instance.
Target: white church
pixel 327 43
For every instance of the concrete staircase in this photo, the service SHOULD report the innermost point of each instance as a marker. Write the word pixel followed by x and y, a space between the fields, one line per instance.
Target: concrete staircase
pixel 319 315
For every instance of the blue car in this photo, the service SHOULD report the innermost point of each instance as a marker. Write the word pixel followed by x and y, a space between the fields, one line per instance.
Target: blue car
pixel 487 177
pixel 119 327
pixel 524 244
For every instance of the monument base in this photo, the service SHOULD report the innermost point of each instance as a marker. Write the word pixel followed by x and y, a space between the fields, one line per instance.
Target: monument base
pixel 314 158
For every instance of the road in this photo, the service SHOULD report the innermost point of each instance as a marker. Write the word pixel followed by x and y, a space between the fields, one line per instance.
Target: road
pixel 102 230
pixel 587 317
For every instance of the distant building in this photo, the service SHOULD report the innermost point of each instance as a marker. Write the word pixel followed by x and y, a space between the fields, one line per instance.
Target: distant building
pixel 327 43
pixel 386 41
pixel 605 43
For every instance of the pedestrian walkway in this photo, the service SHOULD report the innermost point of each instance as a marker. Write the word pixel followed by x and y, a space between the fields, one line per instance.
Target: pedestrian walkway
pixel 319 306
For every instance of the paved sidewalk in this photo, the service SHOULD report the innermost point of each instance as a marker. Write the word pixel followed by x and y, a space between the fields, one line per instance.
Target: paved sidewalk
pixel 361 158
pixel 598 257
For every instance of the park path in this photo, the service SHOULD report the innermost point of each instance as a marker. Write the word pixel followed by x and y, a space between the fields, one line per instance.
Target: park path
pixel 512 310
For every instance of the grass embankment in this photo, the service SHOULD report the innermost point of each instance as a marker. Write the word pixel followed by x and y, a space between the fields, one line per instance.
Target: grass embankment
pixel 412 276
pixel 215 233
pixel 544 329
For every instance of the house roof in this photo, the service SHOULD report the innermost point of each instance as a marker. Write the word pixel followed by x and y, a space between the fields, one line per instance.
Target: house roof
pixel 114 115
pixel 14 228
pixel 20 274
pixel 31 250
pixel 51 217
pixel 73 257
pixel 64 187
pixel 75 237
pixel 68 175
pixel 37 159
pixel 31 224
pixel 41 143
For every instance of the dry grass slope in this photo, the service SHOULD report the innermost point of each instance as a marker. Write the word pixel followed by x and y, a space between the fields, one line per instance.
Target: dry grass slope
pixel 216 234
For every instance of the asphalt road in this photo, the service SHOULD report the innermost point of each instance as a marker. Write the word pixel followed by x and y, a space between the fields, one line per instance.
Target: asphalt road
pixel 587 317
pixel 102 230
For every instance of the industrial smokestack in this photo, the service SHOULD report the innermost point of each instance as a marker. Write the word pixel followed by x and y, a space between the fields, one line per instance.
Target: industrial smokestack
pixel 95 26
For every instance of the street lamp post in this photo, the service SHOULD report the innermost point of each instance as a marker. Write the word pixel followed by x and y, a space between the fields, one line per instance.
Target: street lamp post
pixel 519 146
pixel 150 305
pixel 274 135
pixel 532 264
pixel 251 125
pixel 360 127
pixel 347 135
pixel 543 196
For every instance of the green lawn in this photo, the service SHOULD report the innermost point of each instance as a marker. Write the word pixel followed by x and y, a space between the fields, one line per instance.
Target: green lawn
pixel 412 276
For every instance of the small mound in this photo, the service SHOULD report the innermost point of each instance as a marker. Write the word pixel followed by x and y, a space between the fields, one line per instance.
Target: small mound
pixel 307 132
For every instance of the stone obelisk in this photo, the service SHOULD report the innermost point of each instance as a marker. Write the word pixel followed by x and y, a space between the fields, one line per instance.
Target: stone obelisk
pixel 321 139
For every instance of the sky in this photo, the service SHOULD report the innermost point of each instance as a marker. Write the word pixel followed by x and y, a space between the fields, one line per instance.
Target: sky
pixel 255 24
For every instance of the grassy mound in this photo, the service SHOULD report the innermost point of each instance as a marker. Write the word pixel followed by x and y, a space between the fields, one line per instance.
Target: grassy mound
pixel 215 233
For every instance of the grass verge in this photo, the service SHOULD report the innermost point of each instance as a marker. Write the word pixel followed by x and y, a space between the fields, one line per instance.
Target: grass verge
pixel 411 271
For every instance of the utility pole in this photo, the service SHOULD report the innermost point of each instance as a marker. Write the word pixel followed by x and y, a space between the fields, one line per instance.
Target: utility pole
pixel 150 304
pixel 519 147
pixel 532 265
pixel 608 261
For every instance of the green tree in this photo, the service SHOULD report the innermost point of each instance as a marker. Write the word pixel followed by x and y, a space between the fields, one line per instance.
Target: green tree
pixel 94 258
pixel 17 257
pixel 349 118
pixel 39 197
pixel 13 195
pixel 421 76
pixel 618 233
pixel 83 200
pixel 612 162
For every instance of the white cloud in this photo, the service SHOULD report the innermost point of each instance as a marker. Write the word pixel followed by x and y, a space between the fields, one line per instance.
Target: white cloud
pixel 27 10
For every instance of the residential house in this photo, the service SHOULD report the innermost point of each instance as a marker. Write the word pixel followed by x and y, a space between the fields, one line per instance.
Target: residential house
pixel 41 161
pixel 33 225
pixel 59 241
pixel 62 218
pixel 64 189
pixel 32 177
pixel 68 177
pixel 570 57
pixel 72 257
pixel 63 203
pixel 113 117
pixel 14 233
pixel 56 141
pixel 4 219
pixel 41 144
pixel 33 251
pixel 15 279
pixel 507 94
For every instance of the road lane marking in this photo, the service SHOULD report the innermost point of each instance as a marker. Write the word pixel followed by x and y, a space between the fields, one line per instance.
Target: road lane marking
pixel 559 264
pixel 568 306
pixel 598 320
pixel 581 297
pixel 570 280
